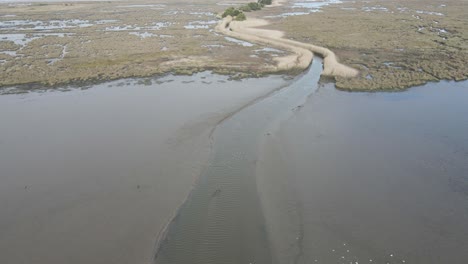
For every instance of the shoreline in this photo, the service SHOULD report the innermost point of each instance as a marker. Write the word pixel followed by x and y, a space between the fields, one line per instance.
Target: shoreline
pixel 233 74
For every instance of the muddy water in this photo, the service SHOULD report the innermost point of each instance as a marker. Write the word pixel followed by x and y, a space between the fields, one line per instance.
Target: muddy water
pixel 222 221
pixel 370 178
pixel 92 176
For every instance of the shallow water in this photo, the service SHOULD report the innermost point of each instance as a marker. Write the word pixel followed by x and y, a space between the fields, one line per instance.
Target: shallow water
pixel 344 177
pixel 93 175
pixel 370 177
pixel 222 221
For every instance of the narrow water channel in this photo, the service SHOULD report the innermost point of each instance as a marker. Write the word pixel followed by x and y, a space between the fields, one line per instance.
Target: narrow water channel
pixel 222 221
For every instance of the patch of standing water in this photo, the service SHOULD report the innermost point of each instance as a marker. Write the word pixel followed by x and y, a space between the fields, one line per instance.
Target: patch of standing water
pixel 60 35
pixel 375 8
pixel 143 35
pixel 154 26
pixel 269 50
pixel 137 6
pixel 239 42
pixel 23 39
pixel 310 6
pixel 173 12
pixel 391 65
pixel 18 39
pixel 9 53
pixel 106 21
pixel 227 4
pixel 289 14
pixel 43 25
pixel 441 30
pixel 429 13
pixel 19 4
pixel 200 24
pixel 202 13
pixel 213 46
pixel 62 55
pixel 314 6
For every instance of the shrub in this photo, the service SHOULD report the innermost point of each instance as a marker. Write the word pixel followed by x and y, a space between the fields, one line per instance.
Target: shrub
pixel 245 8
pixel 231 11
pixel 254 6
pixel 241 17
pixel 264 2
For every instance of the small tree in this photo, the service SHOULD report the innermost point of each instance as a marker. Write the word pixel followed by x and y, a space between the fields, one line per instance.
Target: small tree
pixel 231 11
pixel 241 17
pixel 264 2
pixel 245 8
pixel 254 6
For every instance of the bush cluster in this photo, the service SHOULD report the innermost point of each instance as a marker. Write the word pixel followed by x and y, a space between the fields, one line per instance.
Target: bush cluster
pixel 238 13
pixel 241 17
pixel 231 11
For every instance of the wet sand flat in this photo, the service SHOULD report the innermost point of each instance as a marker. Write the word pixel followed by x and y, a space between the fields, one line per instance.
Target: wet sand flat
pixel 94 175
pixel 370 177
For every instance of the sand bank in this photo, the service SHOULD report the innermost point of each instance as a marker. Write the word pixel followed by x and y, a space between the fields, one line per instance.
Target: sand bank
pixel 249 30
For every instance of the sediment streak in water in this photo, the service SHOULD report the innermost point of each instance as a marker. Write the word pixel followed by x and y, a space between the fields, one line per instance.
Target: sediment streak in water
pixel 222 220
